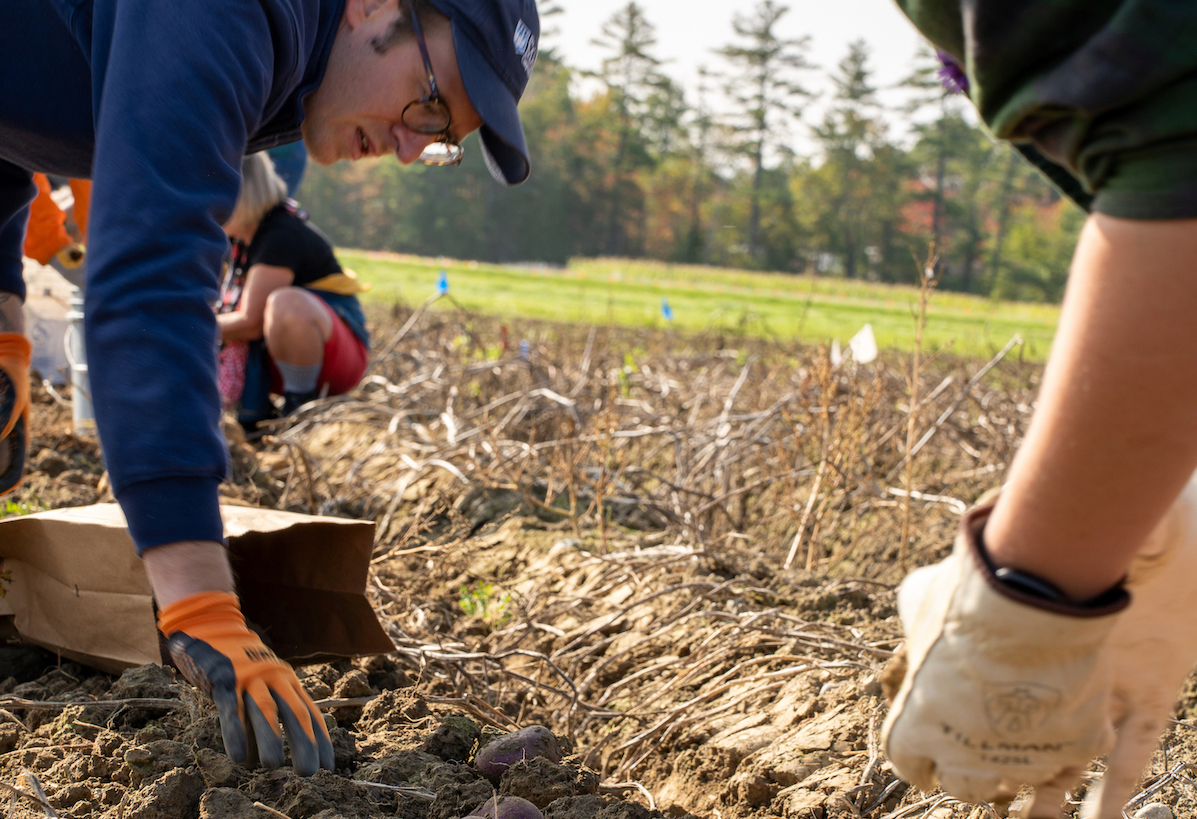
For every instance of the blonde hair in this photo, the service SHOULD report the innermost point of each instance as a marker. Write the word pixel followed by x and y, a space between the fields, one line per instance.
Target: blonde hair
pixel 261 190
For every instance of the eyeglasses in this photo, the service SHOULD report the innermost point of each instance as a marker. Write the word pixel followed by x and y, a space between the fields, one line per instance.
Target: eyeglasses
pixel 429 114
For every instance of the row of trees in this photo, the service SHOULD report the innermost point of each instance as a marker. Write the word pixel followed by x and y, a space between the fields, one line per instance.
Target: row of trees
pixel 643 168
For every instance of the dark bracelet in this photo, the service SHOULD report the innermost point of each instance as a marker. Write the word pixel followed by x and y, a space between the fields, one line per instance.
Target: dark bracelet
pixel 1034 590
pixel 1026 582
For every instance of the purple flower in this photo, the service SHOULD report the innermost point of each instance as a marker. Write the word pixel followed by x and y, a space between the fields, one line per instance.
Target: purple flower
pixel 951 73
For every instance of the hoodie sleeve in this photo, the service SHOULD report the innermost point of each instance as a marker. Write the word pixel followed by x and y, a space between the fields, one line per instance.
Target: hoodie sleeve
pixel 176 90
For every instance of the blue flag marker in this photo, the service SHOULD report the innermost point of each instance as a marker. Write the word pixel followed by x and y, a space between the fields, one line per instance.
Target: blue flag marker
pixel 525 349
pixel 442 283
pixel 666 310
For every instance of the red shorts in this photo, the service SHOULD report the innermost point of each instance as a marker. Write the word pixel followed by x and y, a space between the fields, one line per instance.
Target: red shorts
pixel 345 359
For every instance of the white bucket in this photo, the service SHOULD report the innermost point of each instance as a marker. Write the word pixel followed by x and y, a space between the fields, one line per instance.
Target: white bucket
pixel 83 412
pixel 46 324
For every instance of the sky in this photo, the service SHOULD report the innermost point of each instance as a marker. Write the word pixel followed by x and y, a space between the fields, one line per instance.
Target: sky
pixel 688 30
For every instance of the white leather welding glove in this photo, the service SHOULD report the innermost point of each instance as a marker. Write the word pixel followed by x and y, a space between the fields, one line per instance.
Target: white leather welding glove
pixel 1003 687
pixel 1153 647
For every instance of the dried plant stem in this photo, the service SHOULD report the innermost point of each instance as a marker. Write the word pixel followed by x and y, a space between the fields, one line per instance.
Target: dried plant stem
pixel 926 283
pixel 810 503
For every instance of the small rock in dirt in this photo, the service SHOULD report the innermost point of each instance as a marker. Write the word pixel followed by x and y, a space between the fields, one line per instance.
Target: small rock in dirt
pixel 150 733
pixel 10 735
pixel 149 680
pixel 597 807
pixel 139 756
pixel 542 781
pixel 217 768
pixel 385 673
pixel 353 684
pixel 317 689
pixel 50 463
pixel 754 788
pixel 175 795
pixel 457 799
pixel 107 743
pixel 73 794
pixel 326 792
pixel 405 769
pixel 78 477
pixel 228 803
pixel 1153 810
pixel 401 707
pixel 455 739
pixel 344 748
pixel 30 691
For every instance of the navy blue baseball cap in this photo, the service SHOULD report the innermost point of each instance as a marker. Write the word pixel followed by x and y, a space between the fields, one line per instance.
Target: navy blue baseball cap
pixel 496 43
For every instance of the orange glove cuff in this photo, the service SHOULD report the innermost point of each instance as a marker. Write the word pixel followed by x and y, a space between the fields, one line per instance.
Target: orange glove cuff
pixel 15 355
pixel 203 612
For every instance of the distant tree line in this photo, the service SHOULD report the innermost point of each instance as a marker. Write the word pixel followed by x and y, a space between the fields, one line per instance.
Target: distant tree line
pixel 643 169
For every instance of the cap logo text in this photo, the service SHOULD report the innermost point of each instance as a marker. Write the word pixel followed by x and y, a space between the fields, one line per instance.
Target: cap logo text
pixel 525 46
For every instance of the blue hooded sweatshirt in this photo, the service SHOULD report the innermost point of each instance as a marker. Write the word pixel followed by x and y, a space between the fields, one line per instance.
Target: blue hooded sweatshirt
pixel 156 102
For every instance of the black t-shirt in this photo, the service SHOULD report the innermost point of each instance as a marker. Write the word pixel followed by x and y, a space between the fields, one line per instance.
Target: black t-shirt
pixel 283 239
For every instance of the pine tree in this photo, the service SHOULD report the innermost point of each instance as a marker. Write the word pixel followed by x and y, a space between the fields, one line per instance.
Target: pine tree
pixel 765 89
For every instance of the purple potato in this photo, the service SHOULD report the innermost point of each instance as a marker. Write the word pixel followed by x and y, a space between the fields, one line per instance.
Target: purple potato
pixel 506 807
pixel 526 743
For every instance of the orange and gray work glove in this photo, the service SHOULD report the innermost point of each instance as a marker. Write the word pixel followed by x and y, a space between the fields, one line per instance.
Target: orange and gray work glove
pixel 15 352
pixel 1007 683
pixel 253 689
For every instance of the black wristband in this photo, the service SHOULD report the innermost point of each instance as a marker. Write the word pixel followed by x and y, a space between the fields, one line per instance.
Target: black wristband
pixel 1031 589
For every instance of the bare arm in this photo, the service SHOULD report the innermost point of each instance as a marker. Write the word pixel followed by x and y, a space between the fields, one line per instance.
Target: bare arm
pixel 12 317
pixel 178 570
pixel 246 323
pixel 1114 438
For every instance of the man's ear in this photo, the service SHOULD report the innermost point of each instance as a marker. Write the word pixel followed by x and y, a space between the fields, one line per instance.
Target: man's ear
pixel 358 11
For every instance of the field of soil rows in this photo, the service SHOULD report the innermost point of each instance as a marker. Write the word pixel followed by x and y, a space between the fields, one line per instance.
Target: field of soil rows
pixel 676 553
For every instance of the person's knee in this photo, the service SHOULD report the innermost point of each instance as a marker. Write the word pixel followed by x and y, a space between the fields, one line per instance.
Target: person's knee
pixel 290 309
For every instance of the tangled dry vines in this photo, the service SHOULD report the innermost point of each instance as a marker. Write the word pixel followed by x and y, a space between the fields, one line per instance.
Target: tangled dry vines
pixel 678 553
pixel 593 529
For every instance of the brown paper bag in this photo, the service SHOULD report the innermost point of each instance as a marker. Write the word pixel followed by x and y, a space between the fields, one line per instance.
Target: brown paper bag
pixel 73 584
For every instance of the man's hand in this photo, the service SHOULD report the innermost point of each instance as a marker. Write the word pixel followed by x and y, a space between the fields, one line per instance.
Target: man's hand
pixel 253 689
pixel 15 352
pixel 1002 689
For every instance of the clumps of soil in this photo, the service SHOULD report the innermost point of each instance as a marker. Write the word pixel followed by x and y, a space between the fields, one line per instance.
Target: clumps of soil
pixel 542 781
pixel 677 553
pixel 99 748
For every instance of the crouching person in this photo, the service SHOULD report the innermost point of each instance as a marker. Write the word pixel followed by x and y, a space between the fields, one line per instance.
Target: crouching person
pixel 290 321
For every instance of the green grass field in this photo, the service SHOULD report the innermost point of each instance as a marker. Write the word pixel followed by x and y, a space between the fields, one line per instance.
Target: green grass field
pixel 629 292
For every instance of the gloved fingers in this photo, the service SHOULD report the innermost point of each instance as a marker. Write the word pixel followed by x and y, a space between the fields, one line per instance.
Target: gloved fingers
pixel 12 457
pixel 976 786
pixel 15 351
pixel 305 754
pixel 912 592
pixel 303 705
pixel 1049 797
pixel 232 726
pixel 1137 738
pixel 915 769
pixel 14 441
pixel 263 718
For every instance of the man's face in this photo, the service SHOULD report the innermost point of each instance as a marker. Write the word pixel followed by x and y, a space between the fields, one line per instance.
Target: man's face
pixel 356 110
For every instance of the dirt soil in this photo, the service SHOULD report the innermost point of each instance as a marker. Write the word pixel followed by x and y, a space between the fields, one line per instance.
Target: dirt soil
pixel 678 554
